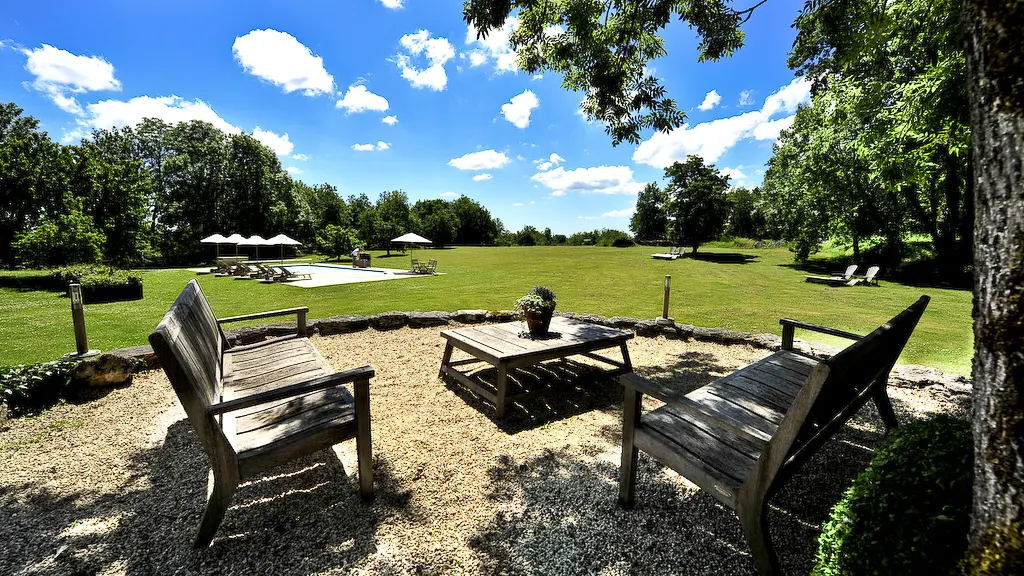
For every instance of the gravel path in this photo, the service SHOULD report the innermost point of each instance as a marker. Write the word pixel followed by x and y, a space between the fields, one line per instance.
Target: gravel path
pixel 117 485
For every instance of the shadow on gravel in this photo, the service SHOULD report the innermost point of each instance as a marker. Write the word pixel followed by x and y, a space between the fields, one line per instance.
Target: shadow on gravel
pixel 300 518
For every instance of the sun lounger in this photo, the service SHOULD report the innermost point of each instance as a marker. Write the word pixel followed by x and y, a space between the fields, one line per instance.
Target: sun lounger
pixel 673 253
pixel 868 279
pixel 287 275
pixel 837 278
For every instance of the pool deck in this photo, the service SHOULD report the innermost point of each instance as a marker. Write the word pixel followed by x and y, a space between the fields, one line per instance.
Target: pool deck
pixel 318 281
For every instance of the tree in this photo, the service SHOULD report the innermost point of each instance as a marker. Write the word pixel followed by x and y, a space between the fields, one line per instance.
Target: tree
pixel 650 221
pixel 746 219
pixel 995 63
pixel 394 217
pixel 22 149
pixel 436 220
pixel 70 238
pixel 337 241
pixel 696 202
pixel 476 226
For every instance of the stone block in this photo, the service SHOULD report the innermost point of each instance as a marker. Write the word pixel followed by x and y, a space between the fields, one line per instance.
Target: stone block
pixel 389 320
pixel 469 316
pixel 105 370
pixel 342 324
pixel 428 319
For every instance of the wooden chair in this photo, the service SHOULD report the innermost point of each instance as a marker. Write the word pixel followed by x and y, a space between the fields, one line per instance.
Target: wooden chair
pixel 742 437
pixel 258 406
pixel 415 266
pixel 431 267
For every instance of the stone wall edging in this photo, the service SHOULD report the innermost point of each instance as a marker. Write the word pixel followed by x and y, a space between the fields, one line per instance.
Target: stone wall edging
pixel 903 374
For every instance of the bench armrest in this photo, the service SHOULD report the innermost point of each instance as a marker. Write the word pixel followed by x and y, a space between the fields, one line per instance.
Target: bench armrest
pixel 337 378
pixel 300 317
pixel 789 327
pixel 681 402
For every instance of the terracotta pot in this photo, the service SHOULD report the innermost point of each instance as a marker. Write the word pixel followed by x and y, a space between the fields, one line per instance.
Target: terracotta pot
pixel 539 322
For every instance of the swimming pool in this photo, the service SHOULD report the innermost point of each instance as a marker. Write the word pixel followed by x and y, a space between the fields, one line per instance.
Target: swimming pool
pixel 327 269
pixel 331 275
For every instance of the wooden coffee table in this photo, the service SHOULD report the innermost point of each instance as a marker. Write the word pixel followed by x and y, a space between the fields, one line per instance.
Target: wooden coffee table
pixel 501 346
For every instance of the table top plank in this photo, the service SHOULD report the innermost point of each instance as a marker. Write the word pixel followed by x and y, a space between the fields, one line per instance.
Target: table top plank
pixel 502 341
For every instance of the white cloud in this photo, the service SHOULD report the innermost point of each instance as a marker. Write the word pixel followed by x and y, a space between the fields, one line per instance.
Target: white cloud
pixel 359 99
pixel 281 145
pixel 294 170
pixel 280 59
pixel 73 136
pixel 171 109
pixel 517 204
pixel 537 77
pixel 393 4
pixel 390 120
pixel 620 213
pixel 482 160
pixel 543 166
pixel 59 73
pixel 494 48
pixel 518 109
pixel 746 97
pixel 735 174
pixel 520 157
pixel 300 157
pixel 556 159
pixel 449 194
pixel 438 51
pixel 596 180
pixel 712 139
pixel 382 145
pixel 363 147
pixel 558 193
pixel 481 177
pixel 710 100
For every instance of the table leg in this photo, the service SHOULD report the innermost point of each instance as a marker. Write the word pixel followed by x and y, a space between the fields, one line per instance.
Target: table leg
pixel 627 363
pixel 501 386
pixel 445 360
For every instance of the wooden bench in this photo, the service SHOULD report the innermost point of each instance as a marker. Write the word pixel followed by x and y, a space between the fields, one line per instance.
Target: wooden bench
pixel 742 437
pixel 258 406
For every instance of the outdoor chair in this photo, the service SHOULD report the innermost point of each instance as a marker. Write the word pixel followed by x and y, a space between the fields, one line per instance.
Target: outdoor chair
pixel 868 279
pixel 743 436
pixel 258 406
pixel 415 266
pixel 431 267
pixel 673 254
pixel 837 278
pixel 287 275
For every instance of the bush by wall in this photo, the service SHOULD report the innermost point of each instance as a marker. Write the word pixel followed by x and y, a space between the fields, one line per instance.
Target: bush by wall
pixel 100 283
pixel 27 387
pixel 909 512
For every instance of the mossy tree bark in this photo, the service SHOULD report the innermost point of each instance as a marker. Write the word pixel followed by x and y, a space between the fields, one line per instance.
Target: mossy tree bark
pixel 994 32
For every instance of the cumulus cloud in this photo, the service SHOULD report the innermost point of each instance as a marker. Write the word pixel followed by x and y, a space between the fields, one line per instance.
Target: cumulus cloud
pixel 518 109
pixel 712 139
pixel 359 99
pixel 390 120
pixel 380 145
pixel 620 213
pixel 171 109
pixel 294 170
pixel 593 180
pixel 746 97
pixel 437 52
pixel 449 194
pixel 482 160
pixel 279 58
pixel 710 100
pixel 392 4
pixel 555 159
pixel 537 77
pixel 543 166
pixel 736 174
pixel 281 145
pixel 480 177
pixel 300 157
pixel 59 73
pixel 495 48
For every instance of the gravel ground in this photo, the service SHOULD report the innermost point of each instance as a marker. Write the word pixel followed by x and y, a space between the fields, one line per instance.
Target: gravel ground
pixel 117 485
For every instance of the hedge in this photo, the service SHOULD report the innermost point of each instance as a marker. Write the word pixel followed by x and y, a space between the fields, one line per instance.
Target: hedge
pixel 100 283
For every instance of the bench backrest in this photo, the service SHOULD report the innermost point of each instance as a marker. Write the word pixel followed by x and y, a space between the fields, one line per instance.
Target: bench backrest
pixel 835 390
pixel 190 346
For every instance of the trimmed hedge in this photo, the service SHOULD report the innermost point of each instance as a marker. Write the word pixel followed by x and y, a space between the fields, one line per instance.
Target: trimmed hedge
pixel 100 283
pixel 33 386
pixel 909 512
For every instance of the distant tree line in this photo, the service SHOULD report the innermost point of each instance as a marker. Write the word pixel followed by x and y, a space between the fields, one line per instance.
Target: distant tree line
pixel 147 194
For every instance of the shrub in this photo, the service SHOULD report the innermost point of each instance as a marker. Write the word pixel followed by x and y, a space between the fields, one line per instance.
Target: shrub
pixel 909 512
pixel 95 277
pixel 25 387
pixel 337 241
pixel 623 242
pixel 70 239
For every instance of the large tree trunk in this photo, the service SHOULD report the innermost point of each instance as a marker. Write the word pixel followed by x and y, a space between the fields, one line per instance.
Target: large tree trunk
pixel 994 34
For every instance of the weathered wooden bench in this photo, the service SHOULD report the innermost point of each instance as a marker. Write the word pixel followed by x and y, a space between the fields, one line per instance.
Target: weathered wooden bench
pixel 743 436
pixel 258 406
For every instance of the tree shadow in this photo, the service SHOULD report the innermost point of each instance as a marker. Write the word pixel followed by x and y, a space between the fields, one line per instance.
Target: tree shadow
pixel 33 283
pixel 722 257
pixel 919 274
pixel 561 389
pixel 302 517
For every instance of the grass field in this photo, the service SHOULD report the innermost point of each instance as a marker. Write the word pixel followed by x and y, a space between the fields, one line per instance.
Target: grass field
pixel 740 289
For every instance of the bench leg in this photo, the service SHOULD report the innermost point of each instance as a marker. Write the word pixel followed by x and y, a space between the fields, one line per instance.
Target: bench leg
pixel 754 521
pixel 363 443
pixel 627 364
pixel 224 485
pixel 884 405
pixel 445 360
pixel 627 468
pixel 501 388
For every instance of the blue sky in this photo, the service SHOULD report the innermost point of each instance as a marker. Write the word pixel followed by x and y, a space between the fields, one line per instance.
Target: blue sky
pixel 373 95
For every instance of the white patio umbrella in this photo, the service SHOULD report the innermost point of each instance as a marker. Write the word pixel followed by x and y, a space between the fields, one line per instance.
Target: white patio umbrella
pixel 257 241
pixel 282 241
pixel 235 239
pixel 411 238
pixel 216 240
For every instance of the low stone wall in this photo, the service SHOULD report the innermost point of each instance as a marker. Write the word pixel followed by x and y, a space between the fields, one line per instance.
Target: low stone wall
pixel 907 375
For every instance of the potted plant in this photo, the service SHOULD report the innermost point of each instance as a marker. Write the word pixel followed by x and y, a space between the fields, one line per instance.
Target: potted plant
pixel 538 306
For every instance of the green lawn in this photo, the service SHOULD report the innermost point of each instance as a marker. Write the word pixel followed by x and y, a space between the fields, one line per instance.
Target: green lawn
pixel 716 292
